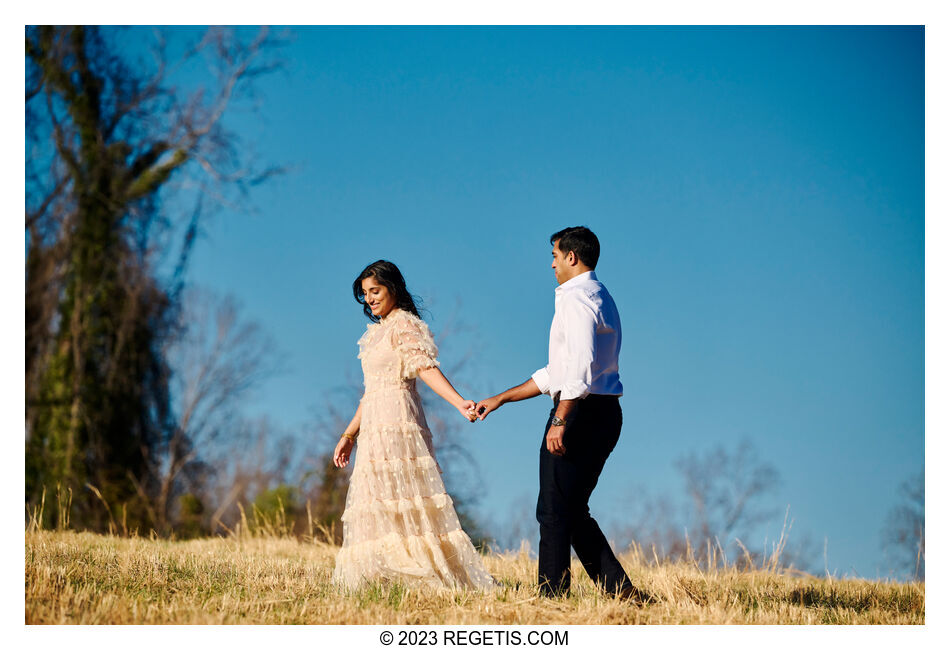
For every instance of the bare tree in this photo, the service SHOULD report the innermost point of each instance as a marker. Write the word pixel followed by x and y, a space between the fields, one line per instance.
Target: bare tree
pixel 516 527
pixel 726 490
pixel 105 135
pixel 256 457
pixel 654 522
pixel 217 360
pixel 725 501
pixel 903 534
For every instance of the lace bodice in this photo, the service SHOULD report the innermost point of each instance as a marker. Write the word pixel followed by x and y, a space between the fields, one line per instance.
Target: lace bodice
pixel 393 351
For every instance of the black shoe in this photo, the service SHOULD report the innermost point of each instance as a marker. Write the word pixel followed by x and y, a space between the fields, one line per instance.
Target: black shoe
pixel 636 595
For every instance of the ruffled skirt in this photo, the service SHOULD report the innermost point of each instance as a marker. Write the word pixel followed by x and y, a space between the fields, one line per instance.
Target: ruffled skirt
pixel 399 523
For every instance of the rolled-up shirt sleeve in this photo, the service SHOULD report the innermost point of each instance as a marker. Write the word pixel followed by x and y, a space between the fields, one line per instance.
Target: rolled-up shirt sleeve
pixel 542 378
pixel 580 332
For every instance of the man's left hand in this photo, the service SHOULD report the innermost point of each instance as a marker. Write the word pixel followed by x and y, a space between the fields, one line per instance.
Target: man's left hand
pixel 555 440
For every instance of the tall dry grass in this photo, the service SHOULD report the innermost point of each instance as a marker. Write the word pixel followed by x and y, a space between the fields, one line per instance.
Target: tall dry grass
pixel 258 575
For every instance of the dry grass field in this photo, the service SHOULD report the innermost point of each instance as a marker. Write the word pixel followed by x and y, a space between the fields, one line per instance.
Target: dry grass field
pixel 86 578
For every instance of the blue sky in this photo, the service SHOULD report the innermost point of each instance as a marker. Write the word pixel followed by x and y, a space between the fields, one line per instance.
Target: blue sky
pixel 758 194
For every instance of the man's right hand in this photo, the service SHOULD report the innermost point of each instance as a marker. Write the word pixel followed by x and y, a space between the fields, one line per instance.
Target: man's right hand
pixel 486 406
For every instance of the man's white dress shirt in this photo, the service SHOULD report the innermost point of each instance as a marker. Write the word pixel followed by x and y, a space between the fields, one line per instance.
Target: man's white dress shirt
pixel 584 345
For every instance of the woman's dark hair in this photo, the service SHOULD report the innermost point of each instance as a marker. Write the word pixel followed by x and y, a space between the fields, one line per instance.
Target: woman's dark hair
pixel 582 241
pixel 388 275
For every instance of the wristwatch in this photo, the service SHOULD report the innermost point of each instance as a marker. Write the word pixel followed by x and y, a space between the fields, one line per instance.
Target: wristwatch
pixel 557 422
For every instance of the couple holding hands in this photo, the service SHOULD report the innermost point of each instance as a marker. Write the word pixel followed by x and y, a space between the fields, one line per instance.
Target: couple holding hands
pixel 398 522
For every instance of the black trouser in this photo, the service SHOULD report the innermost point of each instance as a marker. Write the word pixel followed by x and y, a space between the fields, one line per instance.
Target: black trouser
pixel 566 485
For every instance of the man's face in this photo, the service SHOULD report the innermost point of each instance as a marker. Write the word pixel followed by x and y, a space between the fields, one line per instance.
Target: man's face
pixel 561 263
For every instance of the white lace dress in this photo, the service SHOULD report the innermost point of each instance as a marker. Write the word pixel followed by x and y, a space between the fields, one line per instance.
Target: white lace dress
pixel 398 522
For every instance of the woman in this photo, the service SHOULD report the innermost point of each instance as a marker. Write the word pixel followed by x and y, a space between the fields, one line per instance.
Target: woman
pixel 399 522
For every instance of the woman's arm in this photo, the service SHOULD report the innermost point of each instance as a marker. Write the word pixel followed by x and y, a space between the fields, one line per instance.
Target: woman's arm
pixel 438 382
pixel 341 455
pixel 353 428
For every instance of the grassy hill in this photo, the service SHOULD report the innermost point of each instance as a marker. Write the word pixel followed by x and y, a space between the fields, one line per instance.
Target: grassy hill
pixel 85 578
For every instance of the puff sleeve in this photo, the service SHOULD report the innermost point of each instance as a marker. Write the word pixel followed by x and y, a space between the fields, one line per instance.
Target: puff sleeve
pixel 413 342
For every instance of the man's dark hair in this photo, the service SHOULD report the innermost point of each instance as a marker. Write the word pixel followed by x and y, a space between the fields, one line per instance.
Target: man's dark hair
pixel 580 240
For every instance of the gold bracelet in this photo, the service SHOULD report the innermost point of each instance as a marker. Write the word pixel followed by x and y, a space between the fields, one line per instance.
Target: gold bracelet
pixel 350 436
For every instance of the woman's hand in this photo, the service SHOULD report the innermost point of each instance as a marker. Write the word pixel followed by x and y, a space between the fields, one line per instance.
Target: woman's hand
pixel 341 455
pixel 467 409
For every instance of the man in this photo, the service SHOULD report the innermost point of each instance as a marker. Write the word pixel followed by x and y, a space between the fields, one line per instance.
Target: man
pixel 583 380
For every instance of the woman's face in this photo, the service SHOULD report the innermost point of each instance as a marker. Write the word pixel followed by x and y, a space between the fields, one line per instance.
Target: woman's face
pixel 378 297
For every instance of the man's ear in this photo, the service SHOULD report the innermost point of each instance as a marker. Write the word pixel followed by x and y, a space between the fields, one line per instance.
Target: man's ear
pixel 571 258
